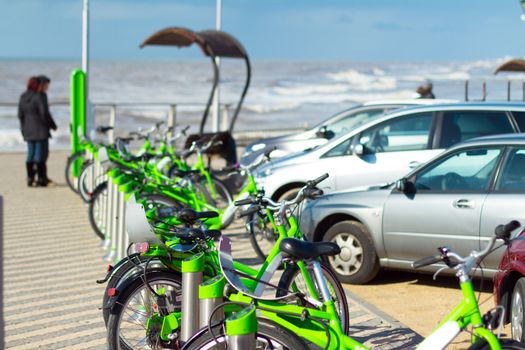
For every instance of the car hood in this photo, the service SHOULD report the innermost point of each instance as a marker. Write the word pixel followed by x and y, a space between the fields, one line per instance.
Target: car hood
pixel 365 196
pixel 291 159
pixel 271 141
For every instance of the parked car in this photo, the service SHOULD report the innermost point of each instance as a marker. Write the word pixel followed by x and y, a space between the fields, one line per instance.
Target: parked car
pixel 330 128
pixel 454 200
pixel 388 146
pixel 509 285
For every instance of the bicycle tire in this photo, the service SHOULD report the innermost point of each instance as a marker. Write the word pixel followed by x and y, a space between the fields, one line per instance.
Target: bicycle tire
pixel 116 340
pixel 70 179
pixel 124 270
pixel 224 196
pixel 83 190
pixel 506 344
pixel 266 330
pixel 98 192
pixel 160 200
pixel 261 237
pixel 338 294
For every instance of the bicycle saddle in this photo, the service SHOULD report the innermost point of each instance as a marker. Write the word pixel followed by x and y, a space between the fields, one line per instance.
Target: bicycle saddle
pixel 189 216
pixel 299 249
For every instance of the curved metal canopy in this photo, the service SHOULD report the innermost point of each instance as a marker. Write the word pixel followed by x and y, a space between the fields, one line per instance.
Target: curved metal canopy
pixel 516 65
pixel 213 44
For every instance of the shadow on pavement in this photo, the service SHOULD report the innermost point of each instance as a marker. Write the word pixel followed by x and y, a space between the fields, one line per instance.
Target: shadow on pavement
pixel 442 281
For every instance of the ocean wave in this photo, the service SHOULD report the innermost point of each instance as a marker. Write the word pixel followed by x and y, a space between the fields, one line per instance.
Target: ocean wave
pixel 11 139
pixel 310 89
pixel 365 82
pixel 269 108
pixel 374 96
pixel 445 76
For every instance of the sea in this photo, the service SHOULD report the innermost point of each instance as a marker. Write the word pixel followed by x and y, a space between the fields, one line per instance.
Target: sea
pixel 283 94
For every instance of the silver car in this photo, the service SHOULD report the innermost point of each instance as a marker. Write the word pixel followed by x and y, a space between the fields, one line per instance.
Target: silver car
pixel 388 146
pixel 454 200
pixel 330 128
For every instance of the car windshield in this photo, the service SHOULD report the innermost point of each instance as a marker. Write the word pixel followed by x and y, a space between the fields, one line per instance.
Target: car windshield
pixel 349 119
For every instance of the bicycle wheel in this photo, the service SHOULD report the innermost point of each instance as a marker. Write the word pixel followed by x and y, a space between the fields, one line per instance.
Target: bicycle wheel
pixel 262 236
pixel 223 196
pixel 159 201
pixel 507 344
pixel 128 321
pixel 85 185
pixel 70 179
pixel 126 269
pixel 293 274
pixel 269 336
pixel 95 209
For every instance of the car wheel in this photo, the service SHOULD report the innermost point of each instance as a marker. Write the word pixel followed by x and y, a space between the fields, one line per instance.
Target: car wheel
pixel 289 194
pixel 357 263
pixel 517 307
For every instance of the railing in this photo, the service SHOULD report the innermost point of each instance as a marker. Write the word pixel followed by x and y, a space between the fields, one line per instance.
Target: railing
pixel 111 110
pixel 484 90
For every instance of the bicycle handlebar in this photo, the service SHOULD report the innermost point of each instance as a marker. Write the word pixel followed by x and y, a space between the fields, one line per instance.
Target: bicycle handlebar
pixel 429 260
pixel 503 231
pixel 307 191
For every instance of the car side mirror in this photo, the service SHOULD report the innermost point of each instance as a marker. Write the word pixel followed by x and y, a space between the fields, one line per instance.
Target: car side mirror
pixel 358 149
pixel 324 133
pixel 406 186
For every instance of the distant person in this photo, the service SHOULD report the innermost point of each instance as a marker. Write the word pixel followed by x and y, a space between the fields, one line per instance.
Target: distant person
pixel 35 123
pixel 425 91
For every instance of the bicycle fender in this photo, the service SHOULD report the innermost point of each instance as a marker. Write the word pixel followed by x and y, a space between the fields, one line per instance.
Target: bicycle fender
pixel 124 283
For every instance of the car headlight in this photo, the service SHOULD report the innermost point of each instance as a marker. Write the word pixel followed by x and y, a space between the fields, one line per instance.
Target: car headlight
pixel 260 182
pixel 258 147
pixel 253 148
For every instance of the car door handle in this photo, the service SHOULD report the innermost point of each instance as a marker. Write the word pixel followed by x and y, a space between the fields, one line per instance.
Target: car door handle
pixel 464 204
pixel 414 164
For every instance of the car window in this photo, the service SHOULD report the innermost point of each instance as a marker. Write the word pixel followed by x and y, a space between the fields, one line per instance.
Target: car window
pixel 401 134
pixel 341 149
pixel 512 177
pixel 347 123
pixel 463 125
pixel 520 119
pixel 467 170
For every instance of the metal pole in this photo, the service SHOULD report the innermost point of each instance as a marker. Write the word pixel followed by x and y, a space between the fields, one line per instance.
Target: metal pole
pixel 112 120
pixel 508 90
pixel 172 116
pixel 90 123
pixel 216 96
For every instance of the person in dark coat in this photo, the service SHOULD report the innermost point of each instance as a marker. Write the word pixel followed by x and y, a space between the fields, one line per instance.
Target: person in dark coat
pixel 425 91
pixel 35 123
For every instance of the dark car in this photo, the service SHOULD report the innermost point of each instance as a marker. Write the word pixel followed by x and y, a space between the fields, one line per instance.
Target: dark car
pixel 509 285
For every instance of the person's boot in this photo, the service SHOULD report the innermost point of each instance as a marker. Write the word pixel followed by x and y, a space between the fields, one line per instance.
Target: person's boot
pixel 30 168
pixel 41 170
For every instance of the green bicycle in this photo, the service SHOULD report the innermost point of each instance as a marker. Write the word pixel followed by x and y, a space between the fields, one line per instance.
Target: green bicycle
pixel 322 327
pixel 127 299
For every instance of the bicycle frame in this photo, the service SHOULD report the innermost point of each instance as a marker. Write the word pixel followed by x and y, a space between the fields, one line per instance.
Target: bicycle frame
pixel 464 314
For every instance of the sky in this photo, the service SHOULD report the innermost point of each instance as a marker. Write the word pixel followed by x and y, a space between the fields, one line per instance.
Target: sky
pixel 358 30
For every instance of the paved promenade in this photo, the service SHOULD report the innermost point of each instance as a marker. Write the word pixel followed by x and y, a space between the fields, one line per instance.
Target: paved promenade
pixel 52 259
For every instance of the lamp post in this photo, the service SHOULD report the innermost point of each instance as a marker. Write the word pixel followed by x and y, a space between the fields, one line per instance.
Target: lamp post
pixel 216 98
pixel 522 4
